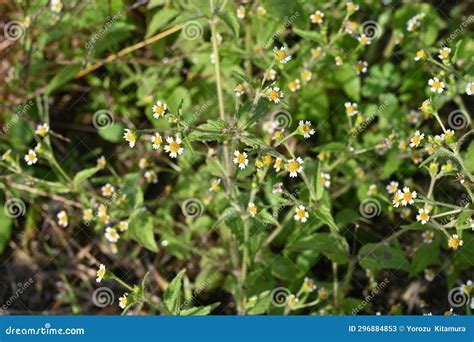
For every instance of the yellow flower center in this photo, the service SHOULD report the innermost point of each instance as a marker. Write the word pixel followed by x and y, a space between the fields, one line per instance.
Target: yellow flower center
pixel 160 110
pixel 436 85
pixel 293 166
pixel 280 55
pixel 157 140
pixel 241 159
pixel 174 146
pixel 453 242
pixel 424 216
pixel 420 54
pixel 306 128
pixel 407 196
pixel 301 213
pixel 31 157
pixel 130 137
pixel 416 139
pixel 101 272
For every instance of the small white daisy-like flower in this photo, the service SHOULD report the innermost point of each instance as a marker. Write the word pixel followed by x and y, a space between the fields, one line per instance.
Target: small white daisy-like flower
pixel 107 190
pixel 123 301
pixel 429 275
pixel 215 185
pixel 467 287
pixel 271 75
pixel 241 12
pixel 274 94
pixel 317 52
pixel 427 236
pixel 239 90
pixel 444 53
pixel 123 226
pixel 317 17
pixel 261 11
pixel 309 284
pixel 174 146
pixel 56 6
pixel 423 215
pixel 413 117
pixel 325 180
pixel 156 141
pixel 372 190
pixel 278 165
pixel 301 214
pixel 101 162
pixel 159 109
pixel 364 39
pixel 87 215
pixel 436 85
pixel 470 88
pixel 130 137
pixel 151 176
pixel 306 75
pixel 294 166
pixel 351 108
pixel 281 54
pixel 270 126
pixel 397 199
pixel 240 159
pixel 420 54
pixel 294 85
pixel 392 187
pixel 292 300
pixel 100 273
pixel 42 130
pixel 416 139
pixel 339 61
pixel 455 241
pixel 142 163
pixel 31 158
pixel 111 234
pixel 408 196
pixel 306 128
pixel 448 135
pixel 361 67
pixel 352 7
pixel 278 134
pixel 62 218
pixel 252 209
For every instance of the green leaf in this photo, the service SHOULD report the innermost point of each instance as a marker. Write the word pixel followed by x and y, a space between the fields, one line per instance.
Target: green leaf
pixel 84 174
pixel 426 255
pixel 310 35
pixel 469 157
pixel 113 133
pixel 259 304
pixel 160 19
pixel 333 246
pixel 260 110
pixel 230 19
pixel 330 147
pixel 378 257
pixel 5 230
pixel 199 310
pixel 347 77
pixel 210 131
pixel 318 187
pixel 62 77
pixel 172 295
pixel 323 213
pixel 141 230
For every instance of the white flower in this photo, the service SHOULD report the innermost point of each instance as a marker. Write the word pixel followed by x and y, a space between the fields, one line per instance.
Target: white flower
pixel 156 141
pixel 351 108
pixel 423 215
pixel 107 190
pixel 306 128
pixel 294 85
pixel 241 12
pixel 392 187
pixel 130 137
pixel 436 85
pixel 301 214
pixel 408 196
pixel 271 75
pixel 111 235
pixel 252 209
pixel 240 159
pixel 100 273
pixel 151 176
pixel 174 146
pixel 31 158
pixel 42 130
pixel 361 67
pixel 427 236
pixel 325 180
pixel 281 55
pixel 470 88
pixel 123 301
pixel 56 6
pixel 416 139
pixel 364 39
pixel 317 17
pixel 444 53
pixel 159 109
pixel 239 90
pixel 429 275
pixel 123 226
pixel 62 218
pixel 274 94
pixel 294 166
